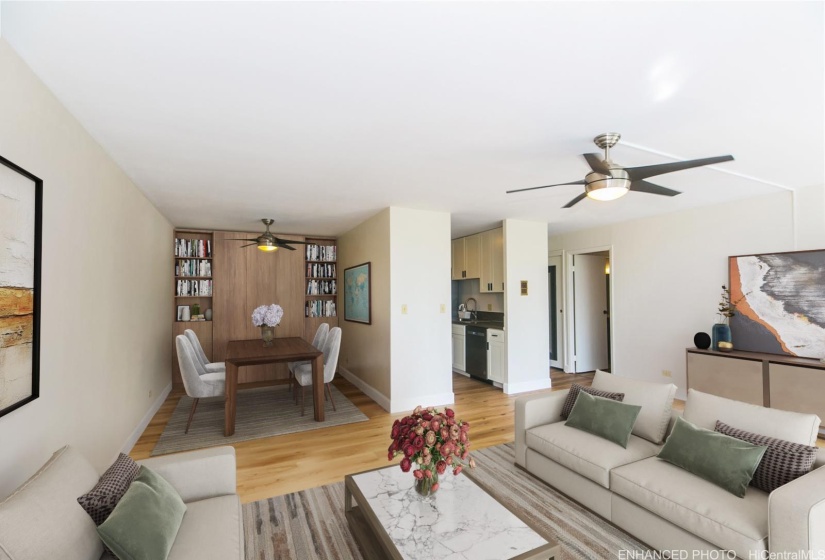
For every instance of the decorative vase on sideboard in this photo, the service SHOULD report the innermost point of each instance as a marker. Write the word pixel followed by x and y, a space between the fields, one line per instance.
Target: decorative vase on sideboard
pixel 721 332
pixel 267 334
pixel 427 486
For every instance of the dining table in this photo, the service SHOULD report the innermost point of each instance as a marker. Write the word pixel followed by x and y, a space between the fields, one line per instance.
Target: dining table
pixel 254 352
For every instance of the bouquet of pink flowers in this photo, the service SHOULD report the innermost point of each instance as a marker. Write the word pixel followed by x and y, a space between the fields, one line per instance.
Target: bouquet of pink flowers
pixel 433 441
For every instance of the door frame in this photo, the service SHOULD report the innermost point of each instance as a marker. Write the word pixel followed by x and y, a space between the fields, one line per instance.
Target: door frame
pixel 569 325
pixel 558 260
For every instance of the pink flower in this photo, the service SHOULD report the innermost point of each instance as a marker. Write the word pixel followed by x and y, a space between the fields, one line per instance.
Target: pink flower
pixel 463 436
pixel 464 455
pixel 454 431
pixel 426 451
pixel 449 460
pixel 457 470
pixel 450 421
pixel 427 416
pixel 434 487
pixel 418 442
pixel 427 460
pixel 435 424
pixel 449 412
pixel 430 438
pixel 465 426
pixel 472 463
pixel 396 431
pixel 390 456
pixel 425 425
pixel 406 464
pixel 419 430
pixel 418 473
pixel 446 449
pixel 409 450
pixel 417 409
pixel 445 433
pixel 440 467
pixel 428 473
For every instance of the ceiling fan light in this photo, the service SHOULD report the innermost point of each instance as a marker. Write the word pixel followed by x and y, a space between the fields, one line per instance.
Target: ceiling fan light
pixel 603 187
pixel 607 193
pixel 267 245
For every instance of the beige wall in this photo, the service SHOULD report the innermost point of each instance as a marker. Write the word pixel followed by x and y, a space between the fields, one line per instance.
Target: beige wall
pixel 106 287
pixel 365 349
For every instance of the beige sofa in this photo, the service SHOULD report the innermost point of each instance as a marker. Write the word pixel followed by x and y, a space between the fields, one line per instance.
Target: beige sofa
pixel 43 521
pixel 663 505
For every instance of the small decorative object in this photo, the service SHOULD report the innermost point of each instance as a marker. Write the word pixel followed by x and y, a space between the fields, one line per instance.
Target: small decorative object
pixel 196 309
pixel 727 309
pixel 702 341
pixel 434 441
pixel 725 346
pixel 208 315
pixel 267 317
pixel 185 314
pixel 357 294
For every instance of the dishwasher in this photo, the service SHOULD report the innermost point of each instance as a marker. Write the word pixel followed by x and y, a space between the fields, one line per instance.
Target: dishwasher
pixel 476 351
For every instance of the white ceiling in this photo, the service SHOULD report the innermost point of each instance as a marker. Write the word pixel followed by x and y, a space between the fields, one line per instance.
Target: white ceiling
pixel 320 114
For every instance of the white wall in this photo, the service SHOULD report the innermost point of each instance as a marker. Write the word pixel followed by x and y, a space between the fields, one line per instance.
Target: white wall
pixel 106 287
pixel 526 320
pixel 421 338
pixel 667 272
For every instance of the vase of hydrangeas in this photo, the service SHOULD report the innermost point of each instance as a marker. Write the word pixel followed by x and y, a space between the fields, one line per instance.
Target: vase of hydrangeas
pixel 267 317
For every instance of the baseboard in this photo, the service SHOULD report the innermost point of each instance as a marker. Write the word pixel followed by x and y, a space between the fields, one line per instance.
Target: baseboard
pixel 404 405
pixel 136 433
pixel 373 393
pixel 524 386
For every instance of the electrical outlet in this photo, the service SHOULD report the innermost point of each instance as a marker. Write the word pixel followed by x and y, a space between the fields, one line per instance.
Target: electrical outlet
pixel 403 308
pixel 489 307
pixel 667 373
pixel 443 308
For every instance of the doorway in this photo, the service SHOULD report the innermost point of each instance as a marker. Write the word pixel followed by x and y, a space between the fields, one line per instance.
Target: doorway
pixel 589 302
pixel 556 311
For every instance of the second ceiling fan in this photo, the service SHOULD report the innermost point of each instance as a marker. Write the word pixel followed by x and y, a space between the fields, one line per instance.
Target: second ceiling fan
pixel 267 240
pixel 609 180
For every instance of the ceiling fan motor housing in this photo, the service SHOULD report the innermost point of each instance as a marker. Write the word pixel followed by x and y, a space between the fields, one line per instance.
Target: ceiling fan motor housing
pixel 607 187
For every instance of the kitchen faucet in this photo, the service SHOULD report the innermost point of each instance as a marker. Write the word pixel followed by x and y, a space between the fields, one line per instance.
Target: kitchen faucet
pixel 474 310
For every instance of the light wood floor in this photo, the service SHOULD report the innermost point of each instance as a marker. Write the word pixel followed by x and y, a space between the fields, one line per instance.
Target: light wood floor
pixel 288 463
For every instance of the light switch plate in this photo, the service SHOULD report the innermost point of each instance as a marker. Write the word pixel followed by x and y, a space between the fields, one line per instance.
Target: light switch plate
pixel 403 308
pixel 443 308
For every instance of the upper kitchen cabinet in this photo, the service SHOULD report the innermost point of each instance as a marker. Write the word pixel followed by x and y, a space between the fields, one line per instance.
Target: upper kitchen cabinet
pixel 467 257
pixel 491 279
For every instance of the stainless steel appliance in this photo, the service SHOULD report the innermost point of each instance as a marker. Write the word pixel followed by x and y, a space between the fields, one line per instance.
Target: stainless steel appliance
pixel 476 351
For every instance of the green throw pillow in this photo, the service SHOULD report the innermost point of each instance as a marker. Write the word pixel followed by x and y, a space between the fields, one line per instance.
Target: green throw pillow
pixel 145 521
pixel 723 460
pixel 605 418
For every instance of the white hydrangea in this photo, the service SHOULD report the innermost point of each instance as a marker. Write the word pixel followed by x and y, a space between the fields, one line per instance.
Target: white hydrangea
pixel 269 315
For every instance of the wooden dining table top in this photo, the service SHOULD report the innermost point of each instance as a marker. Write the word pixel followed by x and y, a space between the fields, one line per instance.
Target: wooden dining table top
pixel 253 352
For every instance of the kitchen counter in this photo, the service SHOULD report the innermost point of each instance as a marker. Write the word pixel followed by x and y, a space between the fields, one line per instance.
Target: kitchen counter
pixel 485 324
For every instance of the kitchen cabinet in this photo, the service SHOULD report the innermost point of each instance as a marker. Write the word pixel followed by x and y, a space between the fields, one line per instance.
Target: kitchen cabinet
pixel 466 257
pixel 491 278
pixel 459 338
pixel 496 363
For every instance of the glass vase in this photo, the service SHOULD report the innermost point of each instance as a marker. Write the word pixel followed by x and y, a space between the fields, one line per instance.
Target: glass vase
pixel 721 332
pixel 427 486
pixel 267 334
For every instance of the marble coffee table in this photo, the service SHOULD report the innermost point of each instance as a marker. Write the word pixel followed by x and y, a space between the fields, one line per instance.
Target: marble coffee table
pixel 460 521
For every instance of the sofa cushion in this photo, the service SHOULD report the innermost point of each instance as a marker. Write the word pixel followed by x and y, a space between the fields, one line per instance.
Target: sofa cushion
pixel 783 461
pixel 696 505
pixel 656 400
pixel 723 460
pixel 42 519
pixel 573 395
pixel 100 501
pixel 211 530
pixel 605 418
pixel 584 453
pixel 704 410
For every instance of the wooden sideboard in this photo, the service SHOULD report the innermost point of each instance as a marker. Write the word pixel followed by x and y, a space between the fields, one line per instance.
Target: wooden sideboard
pixel 771 380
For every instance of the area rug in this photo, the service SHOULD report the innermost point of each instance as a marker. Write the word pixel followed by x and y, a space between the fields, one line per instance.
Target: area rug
pixel 261 412
pixel 310 525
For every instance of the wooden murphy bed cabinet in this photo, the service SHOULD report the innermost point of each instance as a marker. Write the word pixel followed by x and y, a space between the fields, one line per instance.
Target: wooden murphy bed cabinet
pixel 771 380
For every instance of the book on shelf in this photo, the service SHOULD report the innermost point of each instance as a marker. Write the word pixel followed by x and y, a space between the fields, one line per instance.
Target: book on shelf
pixel 193 267
pixel 320 270
pixel 198 248
pixel 321 252
pixel 321 288
pixel 194 288
pixel 320 308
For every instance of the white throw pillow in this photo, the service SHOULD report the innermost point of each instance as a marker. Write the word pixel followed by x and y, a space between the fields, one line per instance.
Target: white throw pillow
pixel 656 400
pixel 704 410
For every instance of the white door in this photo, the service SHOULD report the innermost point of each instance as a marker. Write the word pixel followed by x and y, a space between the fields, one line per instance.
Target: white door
pixel 459 362
pixel 590 313
pixel 556 311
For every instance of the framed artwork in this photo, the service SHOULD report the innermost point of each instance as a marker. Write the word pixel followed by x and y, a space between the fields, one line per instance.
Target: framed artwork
pixel 357 294
pixel 21 214
pixel 781 303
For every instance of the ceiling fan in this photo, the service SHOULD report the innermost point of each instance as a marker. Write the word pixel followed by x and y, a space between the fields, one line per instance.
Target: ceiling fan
pixel 609 180
pixel 268 242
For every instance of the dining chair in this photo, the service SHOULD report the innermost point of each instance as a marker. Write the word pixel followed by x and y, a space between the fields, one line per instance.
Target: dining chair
pixel 318 341
pixel 199 384
pixel 210 367
pixel 303 373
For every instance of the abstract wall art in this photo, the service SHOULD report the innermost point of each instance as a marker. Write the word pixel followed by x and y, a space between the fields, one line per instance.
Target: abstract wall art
pixel 782 307
pixel 21 210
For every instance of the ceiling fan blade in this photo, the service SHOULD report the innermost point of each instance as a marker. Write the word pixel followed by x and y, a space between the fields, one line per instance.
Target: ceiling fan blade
pixel 242 246
pixel 255 240
pixel 286 246
pixel 575 201
pixel 279 240
pixel 645 187
pixel 637 173
pixel 547 186
pixel 596 163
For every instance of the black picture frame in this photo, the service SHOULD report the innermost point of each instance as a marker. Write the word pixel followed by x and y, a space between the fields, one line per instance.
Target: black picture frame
pixel 37 185
pixel 351 313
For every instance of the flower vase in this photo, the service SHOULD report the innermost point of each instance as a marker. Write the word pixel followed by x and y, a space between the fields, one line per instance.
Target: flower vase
pixel 268 334
pixel 721 332
pixel 427 486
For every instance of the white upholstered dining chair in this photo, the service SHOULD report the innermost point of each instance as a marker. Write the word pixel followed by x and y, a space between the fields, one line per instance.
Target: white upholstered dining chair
pixel 303 373
pixel 199 384
pixel 200 355
pixel 318 341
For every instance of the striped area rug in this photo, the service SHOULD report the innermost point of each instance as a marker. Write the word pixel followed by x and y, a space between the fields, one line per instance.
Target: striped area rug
pixel 310 525
pixel 262 412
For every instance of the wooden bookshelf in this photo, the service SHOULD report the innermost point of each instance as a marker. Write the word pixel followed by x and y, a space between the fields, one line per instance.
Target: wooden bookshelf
pixel 320 284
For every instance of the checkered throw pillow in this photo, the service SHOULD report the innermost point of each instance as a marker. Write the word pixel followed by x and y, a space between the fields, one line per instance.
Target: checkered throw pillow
pixel 574 394
pixel 783 461
pixel 101 500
